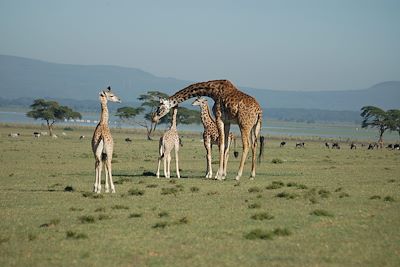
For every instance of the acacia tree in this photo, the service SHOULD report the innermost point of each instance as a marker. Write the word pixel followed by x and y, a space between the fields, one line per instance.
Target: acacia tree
pixel 51 112
pixel 394 120
pixel 376 118
pixel 150 104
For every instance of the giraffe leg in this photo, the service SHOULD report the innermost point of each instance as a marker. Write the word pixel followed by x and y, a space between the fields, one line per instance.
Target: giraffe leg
pixel 97 177
pixel 98 180
pixel 169 165
pixel 165 165
pixel 245 141
pixel 109 169
pixel 99 166
pixel 254 136
pixel 226 156
pixel 207 145
pixel 221 142
pixel 177 160
pixel 107 186
pixel 159 161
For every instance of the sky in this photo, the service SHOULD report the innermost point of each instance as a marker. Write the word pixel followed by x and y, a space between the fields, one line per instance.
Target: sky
pixel 308 45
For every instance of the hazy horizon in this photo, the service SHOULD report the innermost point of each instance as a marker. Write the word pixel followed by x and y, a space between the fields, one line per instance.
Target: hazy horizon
pixel 277 45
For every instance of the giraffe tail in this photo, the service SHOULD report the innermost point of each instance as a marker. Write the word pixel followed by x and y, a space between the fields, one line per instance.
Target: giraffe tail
pixel 262 145
pixel 235 152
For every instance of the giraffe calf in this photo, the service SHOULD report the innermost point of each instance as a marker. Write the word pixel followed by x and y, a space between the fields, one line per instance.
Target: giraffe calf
pixel 211 135
pixel 170 140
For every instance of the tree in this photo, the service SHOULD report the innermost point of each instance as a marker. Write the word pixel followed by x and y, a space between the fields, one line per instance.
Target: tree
pixel 394 120
pixel 376 118
pixel 151 102
pixel 51 111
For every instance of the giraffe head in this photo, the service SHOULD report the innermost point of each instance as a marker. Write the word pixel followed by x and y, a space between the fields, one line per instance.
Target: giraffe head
pixel 199 101
pixel 108 95
pixel 163 109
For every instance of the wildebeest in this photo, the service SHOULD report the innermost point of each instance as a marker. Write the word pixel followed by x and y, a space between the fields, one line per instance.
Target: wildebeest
pixel 336 145
pixel 128 140
pixel 14 135
pixel 396 146
pixel 283 143
pixel 300 145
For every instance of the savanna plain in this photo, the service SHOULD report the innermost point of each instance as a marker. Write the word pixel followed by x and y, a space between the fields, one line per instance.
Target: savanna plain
pixel 307 207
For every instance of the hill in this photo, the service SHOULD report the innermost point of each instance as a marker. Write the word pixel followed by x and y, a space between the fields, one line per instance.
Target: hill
pixel 23 77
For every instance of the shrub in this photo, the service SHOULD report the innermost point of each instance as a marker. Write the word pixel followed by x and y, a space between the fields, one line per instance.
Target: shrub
pixel 262 216
pixel 163 214
pixel 321 213
pixel 183 220
pixel 135 192
pixel 388 198
pixel 277 161
pixel 194 189
pixel 74 235
pixel 104 217
pixel 259 234
pixel 168 191
pixel 282 232
pixel 120 207
pixel 275 185
pixel 343 194
pixel 160 225
pixel 254 189
pixel 286 195
pixel 324 193
pixel 254 206
pixel 135 215
pixel 87 219
pixel 375 197
pixel 69 188
pixel 92 195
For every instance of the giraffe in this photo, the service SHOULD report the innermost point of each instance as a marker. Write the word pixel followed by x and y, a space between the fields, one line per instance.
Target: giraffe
pixel 170 140
pixel 231 105
pixel 210 134
pixel 103 144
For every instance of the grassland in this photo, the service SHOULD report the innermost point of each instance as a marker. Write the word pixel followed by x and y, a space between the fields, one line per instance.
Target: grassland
pixel 311 207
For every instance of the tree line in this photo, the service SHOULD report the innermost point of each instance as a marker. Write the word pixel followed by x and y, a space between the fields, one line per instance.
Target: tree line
pixel 52 111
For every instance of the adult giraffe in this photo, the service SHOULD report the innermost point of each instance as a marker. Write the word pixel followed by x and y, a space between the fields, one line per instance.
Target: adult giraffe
pixel 231 105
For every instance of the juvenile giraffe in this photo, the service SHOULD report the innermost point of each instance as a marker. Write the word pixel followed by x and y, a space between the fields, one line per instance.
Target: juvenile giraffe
pixel 230 105
pixel 170 140
pixel 103 144
pixel 210 134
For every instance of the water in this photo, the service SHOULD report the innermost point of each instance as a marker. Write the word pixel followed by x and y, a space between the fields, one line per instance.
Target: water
pixel 271 128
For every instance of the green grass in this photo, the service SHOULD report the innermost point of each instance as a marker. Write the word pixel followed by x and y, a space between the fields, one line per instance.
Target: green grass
pixel 335 207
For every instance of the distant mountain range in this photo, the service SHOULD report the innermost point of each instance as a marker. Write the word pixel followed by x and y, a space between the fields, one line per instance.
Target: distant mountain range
pixel 30 79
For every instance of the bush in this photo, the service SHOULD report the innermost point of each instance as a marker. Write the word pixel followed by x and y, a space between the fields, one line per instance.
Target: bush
pixel 262 216
pixel 254 189
pixel 321 213
pixel 135 192
pixel 259 234
pixel 277 161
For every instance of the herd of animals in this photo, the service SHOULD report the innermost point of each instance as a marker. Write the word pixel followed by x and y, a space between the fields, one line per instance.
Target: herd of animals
pixel 230 106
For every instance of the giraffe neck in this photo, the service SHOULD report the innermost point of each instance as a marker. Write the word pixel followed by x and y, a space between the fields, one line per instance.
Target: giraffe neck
pixel 214 89
pixel 173 122
pixel 104 113
pixel 206 117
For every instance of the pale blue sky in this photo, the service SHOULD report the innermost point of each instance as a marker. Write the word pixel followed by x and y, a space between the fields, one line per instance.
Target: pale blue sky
pixel 281 45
